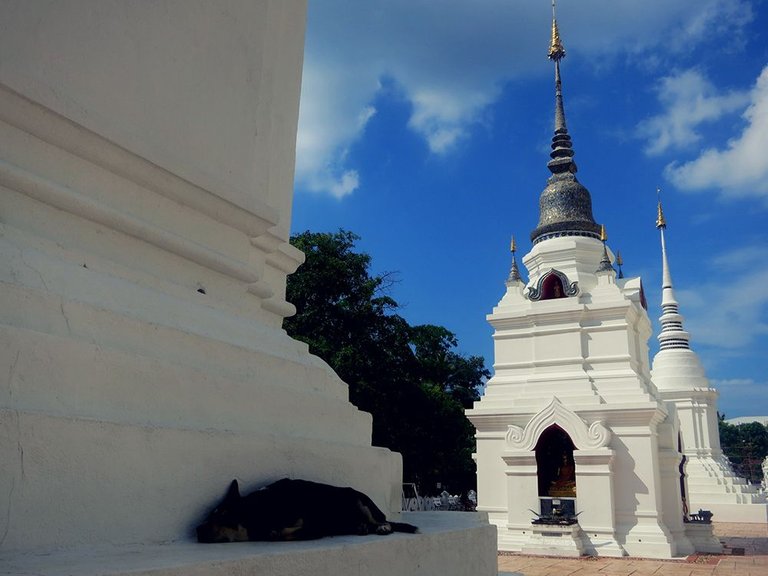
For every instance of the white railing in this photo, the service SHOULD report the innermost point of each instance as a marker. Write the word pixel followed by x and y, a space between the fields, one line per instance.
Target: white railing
pixel 412 502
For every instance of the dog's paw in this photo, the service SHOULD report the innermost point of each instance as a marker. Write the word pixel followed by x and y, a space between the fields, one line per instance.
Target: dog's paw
pixel 363 529
pixel 384 529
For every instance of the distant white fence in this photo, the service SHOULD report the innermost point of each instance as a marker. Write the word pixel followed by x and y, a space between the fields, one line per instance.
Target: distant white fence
pixel 412 502
pixel 418 504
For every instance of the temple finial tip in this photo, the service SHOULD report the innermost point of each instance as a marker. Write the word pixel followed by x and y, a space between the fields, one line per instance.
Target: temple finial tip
pixel 660 220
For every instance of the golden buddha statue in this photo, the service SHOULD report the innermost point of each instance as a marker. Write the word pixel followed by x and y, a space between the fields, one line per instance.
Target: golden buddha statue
pixel 565 484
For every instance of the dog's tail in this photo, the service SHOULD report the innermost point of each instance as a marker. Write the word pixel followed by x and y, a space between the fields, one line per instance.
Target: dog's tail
pixel 403 527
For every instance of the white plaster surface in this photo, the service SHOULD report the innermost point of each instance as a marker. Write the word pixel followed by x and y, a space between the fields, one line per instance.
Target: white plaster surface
pixel 206 90
pixel 562 541
pixel 446 545
pixel 146 167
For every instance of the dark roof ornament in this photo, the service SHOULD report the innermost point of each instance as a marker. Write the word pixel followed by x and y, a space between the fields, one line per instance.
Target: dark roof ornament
pixel 605 263
pixel 619 263
pixel 514 273
pixel 565 206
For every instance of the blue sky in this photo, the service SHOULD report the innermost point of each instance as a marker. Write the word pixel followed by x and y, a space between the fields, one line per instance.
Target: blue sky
pixel 425 129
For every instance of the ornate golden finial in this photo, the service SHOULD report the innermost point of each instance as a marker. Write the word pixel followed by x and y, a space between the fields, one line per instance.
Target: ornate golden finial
pixel 660 221
pixel 603 235
pixel 556 48
pixel 512 245
pixel 619 259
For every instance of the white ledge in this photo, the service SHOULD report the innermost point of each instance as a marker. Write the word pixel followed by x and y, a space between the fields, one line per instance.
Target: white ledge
pixel 449 544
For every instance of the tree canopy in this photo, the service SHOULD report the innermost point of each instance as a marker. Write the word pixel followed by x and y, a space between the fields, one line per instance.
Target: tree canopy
pixel 412 379
pixel 746 446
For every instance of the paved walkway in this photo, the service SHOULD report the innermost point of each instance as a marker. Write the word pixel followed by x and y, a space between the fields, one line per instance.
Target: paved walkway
pixel 746 554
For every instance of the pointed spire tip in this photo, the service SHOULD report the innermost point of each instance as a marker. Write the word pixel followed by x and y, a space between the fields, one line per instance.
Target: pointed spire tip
pixel 661 222
pixel 556 48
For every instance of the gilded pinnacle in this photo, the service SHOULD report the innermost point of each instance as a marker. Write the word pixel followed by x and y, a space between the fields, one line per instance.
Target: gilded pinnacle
pixel 513 246
pixel 556 48
pixel 660 221
pixel 603 235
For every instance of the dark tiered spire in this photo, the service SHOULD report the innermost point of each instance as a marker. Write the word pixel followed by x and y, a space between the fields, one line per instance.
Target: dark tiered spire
pixel 565 206
pixel 514 273
pixel 605 263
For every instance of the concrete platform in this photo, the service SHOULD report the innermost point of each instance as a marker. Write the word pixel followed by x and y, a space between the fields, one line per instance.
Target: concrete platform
pixel 449 544
pixel 745 554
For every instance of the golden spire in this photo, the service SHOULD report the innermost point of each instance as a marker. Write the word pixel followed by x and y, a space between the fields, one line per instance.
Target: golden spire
pixel 556 48
pixel 603 235
pixel 619 259
pixel 660 221
pixel 512 245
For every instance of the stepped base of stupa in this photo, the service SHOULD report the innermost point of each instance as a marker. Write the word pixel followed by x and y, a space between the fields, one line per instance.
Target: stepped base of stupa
pixel 448 544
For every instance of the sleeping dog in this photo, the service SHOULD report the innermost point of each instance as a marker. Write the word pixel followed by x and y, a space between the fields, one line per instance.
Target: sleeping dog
pixel 295 510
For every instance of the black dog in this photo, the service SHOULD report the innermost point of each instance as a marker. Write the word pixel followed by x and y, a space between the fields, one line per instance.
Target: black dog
pixel 295 510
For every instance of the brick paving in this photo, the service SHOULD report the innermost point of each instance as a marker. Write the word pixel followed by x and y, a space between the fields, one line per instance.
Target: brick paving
pixel 745 554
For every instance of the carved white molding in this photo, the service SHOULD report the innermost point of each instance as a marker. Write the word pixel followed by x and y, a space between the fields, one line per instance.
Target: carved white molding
pixel 584 436
pixel 261 223
pixel 51 127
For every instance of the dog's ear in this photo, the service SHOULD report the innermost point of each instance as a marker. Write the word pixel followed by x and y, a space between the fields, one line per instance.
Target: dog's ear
pixel 234 492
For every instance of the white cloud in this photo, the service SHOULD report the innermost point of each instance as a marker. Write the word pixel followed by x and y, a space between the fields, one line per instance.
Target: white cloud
pixel 740 167
pixel 736 383
pixel 689 100
pixel 334 111
pixel 451 57
pixel 730 315
pixel 742 396
pixel 740 258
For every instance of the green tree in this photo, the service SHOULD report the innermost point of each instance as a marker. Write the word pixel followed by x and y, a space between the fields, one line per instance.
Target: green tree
pixel 746 446
pixel 410 378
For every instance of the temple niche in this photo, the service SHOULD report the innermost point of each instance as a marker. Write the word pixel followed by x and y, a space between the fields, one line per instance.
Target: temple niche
pixel 554 461
pixel 552 288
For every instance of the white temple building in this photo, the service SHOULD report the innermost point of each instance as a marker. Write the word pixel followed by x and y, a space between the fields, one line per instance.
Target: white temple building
pixel 578 448
pixel 710 482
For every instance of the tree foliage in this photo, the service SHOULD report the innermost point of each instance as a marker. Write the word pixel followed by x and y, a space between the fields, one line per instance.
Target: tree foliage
pixel 411 379
pixel 746 446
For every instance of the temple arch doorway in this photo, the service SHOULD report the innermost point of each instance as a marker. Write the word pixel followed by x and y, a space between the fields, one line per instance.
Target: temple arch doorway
pixel 555 466
pixel 556 471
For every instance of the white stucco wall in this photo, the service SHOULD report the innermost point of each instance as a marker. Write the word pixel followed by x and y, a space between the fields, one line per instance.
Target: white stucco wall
pixel 207 90
pixel 146 166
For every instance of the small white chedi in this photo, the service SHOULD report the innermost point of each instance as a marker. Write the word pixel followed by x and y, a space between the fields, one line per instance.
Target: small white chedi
pixel 580 450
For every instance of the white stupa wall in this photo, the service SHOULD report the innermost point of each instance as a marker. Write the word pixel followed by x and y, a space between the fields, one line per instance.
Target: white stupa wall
pixel 146 168
pixel 587 356
pixel 711 483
